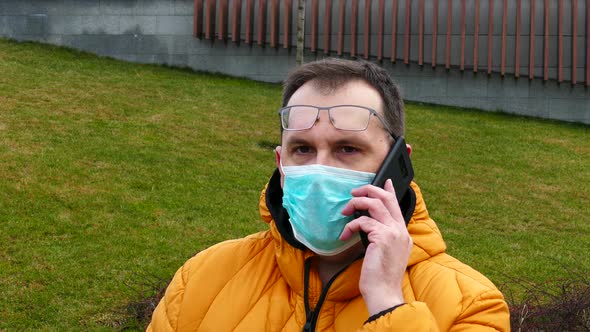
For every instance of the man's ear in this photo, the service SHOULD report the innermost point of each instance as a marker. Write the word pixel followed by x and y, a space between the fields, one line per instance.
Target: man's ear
pixel 409 147
pixel 278 157
pixel 278 160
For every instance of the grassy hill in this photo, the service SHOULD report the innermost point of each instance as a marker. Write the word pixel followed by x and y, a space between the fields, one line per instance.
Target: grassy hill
pixel 113 174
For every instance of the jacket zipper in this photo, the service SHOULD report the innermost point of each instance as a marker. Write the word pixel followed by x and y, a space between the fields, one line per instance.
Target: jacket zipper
pixel 312 316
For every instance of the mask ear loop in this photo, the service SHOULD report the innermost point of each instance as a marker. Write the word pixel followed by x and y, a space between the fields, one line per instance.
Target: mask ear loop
pixel 281 165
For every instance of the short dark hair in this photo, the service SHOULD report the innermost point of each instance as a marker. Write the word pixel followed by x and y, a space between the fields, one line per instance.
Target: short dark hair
pixel 331 73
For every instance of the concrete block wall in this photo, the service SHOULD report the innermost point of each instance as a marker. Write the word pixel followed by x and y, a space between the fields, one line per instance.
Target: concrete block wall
pixel 160 31
pixel 146 31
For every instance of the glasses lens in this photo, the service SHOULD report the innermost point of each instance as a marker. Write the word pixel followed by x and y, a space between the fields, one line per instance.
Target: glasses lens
pixel 298 117
pixel 350 117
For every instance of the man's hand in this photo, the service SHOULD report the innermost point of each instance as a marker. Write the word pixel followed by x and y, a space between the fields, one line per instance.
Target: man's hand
pixel 389 246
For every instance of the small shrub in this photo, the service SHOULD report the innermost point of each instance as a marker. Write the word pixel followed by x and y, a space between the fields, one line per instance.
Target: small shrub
pixel 139 312
pixel 561 306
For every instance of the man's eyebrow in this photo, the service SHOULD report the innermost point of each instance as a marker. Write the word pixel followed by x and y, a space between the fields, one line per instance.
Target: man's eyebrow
pixel 351 138
pixel 347 141
pixel 340 141
pixel 296 140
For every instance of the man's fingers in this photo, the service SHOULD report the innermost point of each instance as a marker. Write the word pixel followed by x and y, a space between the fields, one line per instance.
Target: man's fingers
pixel 381 203
pixel 375 207
pixel 389 187
pixel 375 230
pixel 374 191
pixel 363 223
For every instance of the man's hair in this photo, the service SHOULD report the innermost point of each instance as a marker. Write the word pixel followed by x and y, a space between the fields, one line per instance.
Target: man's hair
pixel 332 73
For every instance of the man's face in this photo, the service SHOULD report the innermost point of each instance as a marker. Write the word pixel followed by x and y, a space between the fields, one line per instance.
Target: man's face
pixel 323 144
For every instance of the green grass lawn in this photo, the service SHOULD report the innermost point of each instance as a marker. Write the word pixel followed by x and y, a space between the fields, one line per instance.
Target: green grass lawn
pixel 113 174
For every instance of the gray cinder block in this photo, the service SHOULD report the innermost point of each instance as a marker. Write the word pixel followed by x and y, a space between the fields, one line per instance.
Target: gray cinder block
pixel 508 87
pixel 99 24
pixel 154 44
pixel 16 25
pixel 75 7
pixel 466 84
pixel 36 24
pixel 174 25
pixel 15 7
pixel 64 24
pixel 568 109
pixel 183 7
pixel 123 44
pixel 118 7
pixel 137 25
pixel 154 7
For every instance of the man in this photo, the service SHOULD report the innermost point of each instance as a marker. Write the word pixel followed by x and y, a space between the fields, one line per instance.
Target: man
pixel 310 271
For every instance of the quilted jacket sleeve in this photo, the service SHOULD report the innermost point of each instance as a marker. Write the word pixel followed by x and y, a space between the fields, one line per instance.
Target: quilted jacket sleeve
pixel 409 317
pixel 165 317
pixel 487 313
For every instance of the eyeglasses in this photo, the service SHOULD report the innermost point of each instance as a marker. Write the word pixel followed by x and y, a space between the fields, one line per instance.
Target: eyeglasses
pixel 343 117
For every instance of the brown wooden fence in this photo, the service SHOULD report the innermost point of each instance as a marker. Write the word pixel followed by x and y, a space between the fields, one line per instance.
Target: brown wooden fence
pixel 545 38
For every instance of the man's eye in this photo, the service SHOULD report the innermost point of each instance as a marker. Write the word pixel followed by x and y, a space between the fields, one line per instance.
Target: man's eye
pixel 348 149
pixel 303 149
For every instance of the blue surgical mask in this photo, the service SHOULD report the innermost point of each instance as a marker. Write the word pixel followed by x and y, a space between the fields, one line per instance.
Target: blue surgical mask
pixel 314 196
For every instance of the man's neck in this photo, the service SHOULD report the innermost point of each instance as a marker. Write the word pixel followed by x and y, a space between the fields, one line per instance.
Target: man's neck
pixel 329 266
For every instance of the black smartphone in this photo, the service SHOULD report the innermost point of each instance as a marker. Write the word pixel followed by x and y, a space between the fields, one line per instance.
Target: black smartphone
pixel 397 167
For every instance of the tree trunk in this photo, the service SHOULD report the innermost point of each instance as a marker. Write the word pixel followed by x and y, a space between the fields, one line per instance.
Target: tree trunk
pixel 300 31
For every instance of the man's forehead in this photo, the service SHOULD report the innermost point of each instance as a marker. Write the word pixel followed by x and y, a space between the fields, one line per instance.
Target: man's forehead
pixel 355 91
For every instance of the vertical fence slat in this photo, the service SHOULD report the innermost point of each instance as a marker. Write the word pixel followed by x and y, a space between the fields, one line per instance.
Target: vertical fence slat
pixel 380 33
pixel 449 26
pixel 341 26
pixel 235 21
pixel 249 21
pixel 209 19
pixel 587 42
pixel 476 37
pixel 274 23
pixel 222 20
pixel 434 31
pixel 490 34
pixel 462 60
pixel 532 42
pixel 546 43
pixel 393 30
pixel 504 26
pixel 261 22
pixel 367 32
pixel 327 26
pixel 517 42
pixel 407 32
pixel 198 18
pixel 353 29
pixel 314 25
pixel 287 19
pixel 574 37
pixel 560 42
pixel 421 33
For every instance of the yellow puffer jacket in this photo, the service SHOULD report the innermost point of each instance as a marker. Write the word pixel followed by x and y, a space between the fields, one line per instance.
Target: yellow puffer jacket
pixel 263 283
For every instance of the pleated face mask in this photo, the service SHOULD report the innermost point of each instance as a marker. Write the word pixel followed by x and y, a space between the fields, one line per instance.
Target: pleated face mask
pixel 314 196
